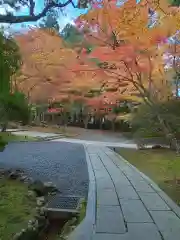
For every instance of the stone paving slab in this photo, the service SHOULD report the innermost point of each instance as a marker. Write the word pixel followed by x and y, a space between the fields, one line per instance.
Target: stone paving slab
pixel 104 183
pixel 136 231
pixel 107 197
pixel 134 211
pixel 168 224
pixel 142 186
pixel 126 192
pixel 110 220
pixel 127 204
pixel 153 202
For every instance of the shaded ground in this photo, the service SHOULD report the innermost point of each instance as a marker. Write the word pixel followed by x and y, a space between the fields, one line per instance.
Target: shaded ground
pixel 163 166
pixel 100 135
pixel 63 164
pixel 100 138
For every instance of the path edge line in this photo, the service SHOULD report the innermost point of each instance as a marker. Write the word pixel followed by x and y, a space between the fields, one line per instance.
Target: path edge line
pixel 85 229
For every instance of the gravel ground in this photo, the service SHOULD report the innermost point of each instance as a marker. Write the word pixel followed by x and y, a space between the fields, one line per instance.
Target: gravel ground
pixel 64 164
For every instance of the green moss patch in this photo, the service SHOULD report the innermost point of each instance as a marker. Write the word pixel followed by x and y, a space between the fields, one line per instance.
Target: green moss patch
pixel 16 208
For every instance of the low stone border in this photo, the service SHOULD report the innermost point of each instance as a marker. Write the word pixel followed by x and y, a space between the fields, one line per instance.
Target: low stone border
pixel 85 229
pixel 37 191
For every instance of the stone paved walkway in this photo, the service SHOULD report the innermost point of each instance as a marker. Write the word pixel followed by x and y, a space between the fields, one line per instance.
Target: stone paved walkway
pixel 123 203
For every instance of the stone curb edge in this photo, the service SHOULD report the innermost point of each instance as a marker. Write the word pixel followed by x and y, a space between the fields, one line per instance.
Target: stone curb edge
pixel 174 207
pixel 86 228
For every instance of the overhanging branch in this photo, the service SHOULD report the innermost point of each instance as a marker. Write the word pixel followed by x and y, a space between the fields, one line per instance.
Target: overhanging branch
pixel 32 17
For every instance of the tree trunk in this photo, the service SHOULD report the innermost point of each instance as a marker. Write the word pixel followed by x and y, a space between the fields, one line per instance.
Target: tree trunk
pixel 4 127
pixel 101 124
pixel 113 125
pixel 37 118
pixel 86 122
pixel 174 145
pixel 169 135
pixel 65 120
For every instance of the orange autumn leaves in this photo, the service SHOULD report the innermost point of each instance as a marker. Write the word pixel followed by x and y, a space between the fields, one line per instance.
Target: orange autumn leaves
pixel 132 53
pixel 43 64
pixel 46 72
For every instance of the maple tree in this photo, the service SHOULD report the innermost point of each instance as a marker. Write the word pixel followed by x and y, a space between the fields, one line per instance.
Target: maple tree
pixel 43 72
pixel 126 60
pixel 130 48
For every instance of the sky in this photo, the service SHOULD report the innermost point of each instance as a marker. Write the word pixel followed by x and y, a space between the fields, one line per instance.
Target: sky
pixel 67 15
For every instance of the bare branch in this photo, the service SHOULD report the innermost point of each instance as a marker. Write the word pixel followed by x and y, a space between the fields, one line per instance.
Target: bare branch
pixel 31 8
pixel 32 17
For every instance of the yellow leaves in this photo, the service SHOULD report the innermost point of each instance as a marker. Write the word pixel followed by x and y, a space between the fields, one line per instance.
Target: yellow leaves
pixel 125 117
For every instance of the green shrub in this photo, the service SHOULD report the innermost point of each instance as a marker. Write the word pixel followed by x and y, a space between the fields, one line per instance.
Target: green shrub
pixel 3 144
pixel 14 107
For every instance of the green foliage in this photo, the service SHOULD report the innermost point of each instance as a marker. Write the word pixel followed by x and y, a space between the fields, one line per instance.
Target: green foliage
pixel 175 2
pixel 170 112
pixel 10 61
pixel 3 143
pixel 14 107
pixel 145 121
pixel 16 208
pixel 50 21
pixel 121 109
pixel 71 35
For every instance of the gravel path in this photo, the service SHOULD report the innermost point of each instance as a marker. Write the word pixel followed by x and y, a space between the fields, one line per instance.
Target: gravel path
pixel 64 164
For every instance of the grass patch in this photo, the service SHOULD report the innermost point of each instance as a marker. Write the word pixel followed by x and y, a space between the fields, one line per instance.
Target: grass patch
pixel 10 137
pixel 162 166
pixel 82 211
pixel 15 208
